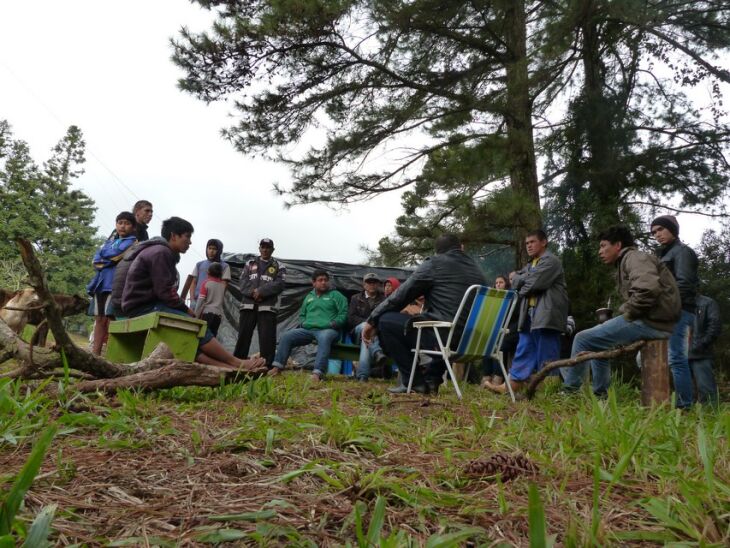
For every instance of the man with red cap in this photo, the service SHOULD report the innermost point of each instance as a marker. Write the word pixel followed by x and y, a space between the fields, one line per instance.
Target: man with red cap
pixel 681 261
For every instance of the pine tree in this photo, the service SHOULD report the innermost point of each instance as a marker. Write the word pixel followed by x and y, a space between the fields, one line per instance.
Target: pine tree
pixel 40 204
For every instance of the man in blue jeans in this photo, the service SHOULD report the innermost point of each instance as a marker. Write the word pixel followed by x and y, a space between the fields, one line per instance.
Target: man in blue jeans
pixel 650 310
pixel 681 261
pixel 706 330
pixel 322 316
pixel 361 306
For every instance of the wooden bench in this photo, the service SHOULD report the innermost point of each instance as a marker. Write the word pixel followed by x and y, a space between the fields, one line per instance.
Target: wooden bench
pixel 132 339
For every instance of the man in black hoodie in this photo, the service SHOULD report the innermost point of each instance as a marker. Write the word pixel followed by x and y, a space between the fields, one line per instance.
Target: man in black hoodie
pixel 148 281
pixel 681 261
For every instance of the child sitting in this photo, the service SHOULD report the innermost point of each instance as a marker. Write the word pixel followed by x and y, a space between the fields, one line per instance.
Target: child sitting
pixel 210 301
pixel 100 286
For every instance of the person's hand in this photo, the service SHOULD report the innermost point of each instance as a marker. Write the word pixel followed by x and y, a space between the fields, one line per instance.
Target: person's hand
pixel 190 312
pixel 368 333
pixel 256 296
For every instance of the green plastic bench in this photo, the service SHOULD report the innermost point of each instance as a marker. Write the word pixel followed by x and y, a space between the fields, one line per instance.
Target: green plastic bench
pixel 132 339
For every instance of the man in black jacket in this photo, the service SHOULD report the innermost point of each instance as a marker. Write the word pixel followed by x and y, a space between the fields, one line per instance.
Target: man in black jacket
pixel 706 330
pixel 442 280
pixel 262 281
pixel 682 263
pixel 361 306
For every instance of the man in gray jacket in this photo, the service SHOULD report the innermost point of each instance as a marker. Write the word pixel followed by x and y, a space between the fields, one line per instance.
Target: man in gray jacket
pixel 543 311
pixel 706 330
pixel 650 310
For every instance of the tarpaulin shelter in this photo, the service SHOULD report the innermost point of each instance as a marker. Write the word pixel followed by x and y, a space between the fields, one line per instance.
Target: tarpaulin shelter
pixel 346 278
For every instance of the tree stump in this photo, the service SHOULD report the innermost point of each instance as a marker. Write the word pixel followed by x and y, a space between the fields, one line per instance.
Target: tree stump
pixel 655 372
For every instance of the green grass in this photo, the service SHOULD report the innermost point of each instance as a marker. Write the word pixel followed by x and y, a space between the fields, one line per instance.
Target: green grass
pixel 282 461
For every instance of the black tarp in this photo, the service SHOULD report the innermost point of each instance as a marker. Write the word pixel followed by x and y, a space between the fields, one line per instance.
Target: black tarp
pixel 346 278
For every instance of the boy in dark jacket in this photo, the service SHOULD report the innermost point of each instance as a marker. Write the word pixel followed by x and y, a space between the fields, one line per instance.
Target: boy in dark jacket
pixel 681 261
pixel 650 310
pixel 262 281
pixel 707 328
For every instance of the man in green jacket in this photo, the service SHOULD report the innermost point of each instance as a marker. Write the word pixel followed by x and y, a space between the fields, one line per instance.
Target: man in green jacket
pixel 650 310
pixel 322 316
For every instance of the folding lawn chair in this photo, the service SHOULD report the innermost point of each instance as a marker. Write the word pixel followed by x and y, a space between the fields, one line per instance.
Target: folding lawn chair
pixel 483 332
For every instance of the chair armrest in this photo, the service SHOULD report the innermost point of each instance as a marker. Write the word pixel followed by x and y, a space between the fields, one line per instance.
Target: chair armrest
pixel 432 323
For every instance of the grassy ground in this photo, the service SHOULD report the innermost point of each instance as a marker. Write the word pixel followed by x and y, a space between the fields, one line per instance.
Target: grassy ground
pixel 286 462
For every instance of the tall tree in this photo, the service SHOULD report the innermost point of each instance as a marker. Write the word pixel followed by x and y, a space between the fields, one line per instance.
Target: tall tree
pixel 359 80
pixel 40 205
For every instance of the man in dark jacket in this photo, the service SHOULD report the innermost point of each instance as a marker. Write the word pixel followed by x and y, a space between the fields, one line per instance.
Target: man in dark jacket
pixel 150 285
pixel 262 281
pixel 681 261
pixel 706 330
pixel 442 280
pixel 543 315
pixel 650 310
pixel 361 306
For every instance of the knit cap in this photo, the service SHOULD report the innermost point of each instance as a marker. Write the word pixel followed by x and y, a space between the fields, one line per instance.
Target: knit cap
pixel 669 222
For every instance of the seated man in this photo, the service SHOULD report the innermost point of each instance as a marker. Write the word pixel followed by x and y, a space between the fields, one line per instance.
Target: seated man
pixel 151 285
pixel 322 316
pixel 361 305
pixel 442 280
pixel 650 310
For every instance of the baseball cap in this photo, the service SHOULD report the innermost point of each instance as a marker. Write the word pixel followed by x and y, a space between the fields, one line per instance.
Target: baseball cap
pixel 266 242
pixel 370 276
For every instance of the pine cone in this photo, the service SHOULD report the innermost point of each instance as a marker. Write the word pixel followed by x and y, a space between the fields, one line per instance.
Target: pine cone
pixel 508 467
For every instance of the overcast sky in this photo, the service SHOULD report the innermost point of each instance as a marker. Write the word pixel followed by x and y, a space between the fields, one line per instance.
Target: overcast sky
pixel 105 67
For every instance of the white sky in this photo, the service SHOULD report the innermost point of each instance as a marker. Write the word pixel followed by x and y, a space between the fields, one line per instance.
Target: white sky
pixel 105 67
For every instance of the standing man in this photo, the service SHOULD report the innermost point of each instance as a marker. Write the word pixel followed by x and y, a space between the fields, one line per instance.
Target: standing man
pixel 706 330
pixel 361 306
pixel 651 307
pixel 143 214
pixel 681 261
pixel 322 316
pixel 543 311
pixel 442 280
pixel 262 281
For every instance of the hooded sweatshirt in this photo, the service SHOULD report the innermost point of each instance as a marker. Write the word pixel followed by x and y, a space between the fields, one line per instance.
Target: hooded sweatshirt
pixel 152 277
pixel 200 271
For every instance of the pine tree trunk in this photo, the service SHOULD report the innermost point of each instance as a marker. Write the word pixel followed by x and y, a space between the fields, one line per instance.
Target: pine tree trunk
pixel 520 142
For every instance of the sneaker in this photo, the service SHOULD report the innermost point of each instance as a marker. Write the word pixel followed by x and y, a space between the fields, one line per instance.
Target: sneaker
pixel 316 376
pixel 362 379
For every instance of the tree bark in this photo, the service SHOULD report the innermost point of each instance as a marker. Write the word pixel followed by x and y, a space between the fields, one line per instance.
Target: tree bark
pixel 520 140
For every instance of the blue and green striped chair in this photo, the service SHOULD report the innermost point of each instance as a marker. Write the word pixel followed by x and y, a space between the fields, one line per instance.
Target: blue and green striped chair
pixel 484 330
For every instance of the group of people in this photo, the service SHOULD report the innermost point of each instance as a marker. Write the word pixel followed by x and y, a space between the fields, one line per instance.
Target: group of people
pixel 136 275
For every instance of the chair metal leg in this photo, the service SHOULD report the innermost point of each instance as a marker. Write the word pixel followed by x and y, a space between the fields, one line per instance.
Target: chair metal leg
pixel 415 360
pixel 445 353
pixel 506 376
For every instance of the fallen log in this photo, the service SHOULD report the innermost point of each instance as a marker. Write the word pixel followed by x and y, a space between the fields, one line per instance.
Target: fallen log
pixel 572 362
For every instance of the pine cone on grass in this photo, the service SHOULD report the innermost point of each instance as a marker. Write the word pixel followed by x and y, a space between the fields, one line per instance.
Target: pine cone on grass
pixel 508 467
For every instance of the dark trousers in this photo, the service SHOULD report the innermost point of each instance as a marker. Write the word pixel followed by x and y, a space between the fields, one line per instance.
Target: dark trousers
pixel 214 322
pixel 399 345
pixel 266 323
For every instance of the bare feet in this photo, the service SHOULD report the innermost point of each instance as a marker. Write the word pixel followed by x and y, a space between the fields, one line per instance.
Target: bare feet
pixel 502 388
pixel 274 371
pixel 254 365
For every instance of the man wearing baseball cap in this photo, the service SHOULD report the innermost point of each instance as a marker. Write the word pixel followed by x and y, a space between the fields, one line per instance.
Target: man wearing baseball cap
pixel 682 263
pixel 262 281
pixel 361 305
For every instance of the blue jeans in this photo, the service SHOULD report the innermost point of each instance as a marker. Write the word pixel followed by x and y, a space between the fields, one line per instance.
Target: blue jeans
pixel 615 332
pixel 679 359
pixel 705 380
pixel 367 353
pixel 301 337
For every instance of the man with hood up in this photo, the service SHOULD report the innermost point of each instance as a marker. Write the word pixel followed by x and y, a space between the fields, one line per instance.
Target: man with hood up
pixel 213 252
